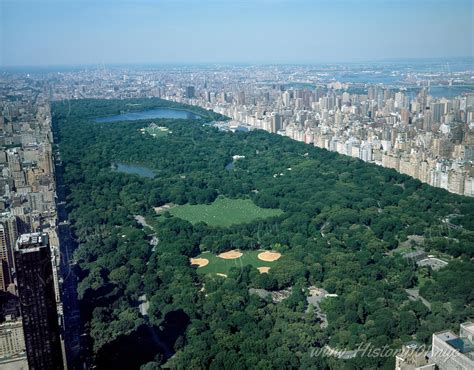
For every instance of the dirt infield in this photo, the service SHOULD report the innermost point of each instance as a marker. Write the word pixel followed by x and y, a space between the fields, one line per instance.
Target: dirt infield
pixel 163 208
pixel 269 256
pixel 263 270
pixel 200 262
pixel 230 255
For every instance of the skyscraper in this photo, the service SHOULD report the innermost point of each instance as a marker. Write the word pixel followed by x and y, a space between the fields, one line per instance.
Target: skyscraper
pixel 276 123
pixel 437 111
pixel 5 278
pixel 190 92
pixel 34 275
pixel 241 98
pixel 427 120
pixel 8 236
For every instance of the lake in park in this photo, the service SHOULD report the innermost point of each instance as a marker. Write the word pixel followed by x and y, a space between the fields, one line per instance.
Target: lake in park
pixel 150 114
pixel 133 170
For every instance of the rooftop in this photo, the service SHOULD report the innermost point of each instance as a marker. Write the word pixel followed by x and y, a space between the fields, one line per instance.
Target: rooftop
pixel 462 345
pixel 416 253
pixel 468 326
pixel 446 335
pixel 31 241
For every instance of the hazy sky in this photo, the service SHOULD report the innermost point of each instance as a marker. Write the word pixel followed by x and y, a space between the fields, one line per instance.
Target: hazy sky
pixel 48 32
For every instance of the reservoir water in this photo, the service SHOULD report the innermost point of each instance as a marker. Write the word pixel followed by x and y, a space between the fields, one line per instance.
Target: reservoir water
pixel 150 114
pixel 133 169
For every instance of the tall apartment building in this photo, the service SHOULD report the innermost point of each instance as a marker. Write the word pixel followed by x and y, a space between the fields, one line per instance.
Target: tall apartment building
pixel 12 340
pixel 276 122
pixel 190 92
pixel 8 236
pixel 5 276
pixel 38 304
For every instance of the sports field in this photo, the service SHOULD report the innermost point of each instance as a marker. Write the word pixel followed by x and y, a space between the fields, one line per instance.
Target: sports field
pixel 212 264
pixel 224 212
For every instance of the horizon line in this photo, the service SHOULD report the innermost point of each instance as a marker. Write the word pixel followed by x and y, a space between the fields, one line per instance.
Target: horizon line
pixel 208 63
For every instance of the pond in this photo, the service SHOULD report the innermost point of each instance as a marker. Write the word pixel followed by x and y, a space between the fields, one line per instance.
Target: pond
pixel 133 169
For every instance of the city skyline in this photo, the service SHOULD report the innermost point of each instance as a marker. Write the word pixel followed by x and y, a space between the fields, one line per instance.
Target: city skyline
pixel 259 32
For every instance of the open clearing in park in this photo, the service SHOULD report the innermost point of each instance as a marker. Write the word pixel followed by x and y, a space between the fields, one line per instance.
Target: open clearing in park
pixel 224 212
pixel 219 265
pixel 156 131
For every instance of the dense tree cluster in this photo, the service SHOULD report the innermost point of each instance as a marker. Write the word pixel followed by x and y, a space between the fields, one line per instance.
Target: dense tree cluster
pixel 342 221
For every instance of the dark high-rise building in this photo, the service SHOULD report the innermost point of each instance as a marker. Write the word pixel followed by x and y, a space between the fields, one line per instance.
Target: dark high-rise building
pixel 190 92
pixel 34 274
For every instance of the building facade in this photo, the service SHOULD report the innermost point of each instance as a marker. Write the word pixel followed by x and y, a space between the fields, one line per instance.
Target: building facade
pixel 38 303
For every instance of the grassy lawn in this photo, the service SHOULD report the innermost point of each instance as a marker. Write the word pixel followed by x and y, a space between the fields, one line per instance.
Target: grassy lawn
pixel 157 131
pixel 224 212
pixel 222 266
